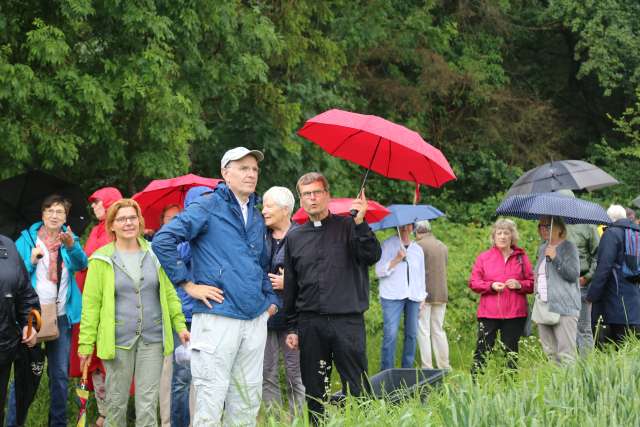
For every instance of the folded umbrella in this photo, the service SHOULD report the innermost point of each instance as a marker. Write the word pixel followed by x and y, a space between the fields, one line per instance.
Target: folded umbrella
pixel 21 199
pixel 163 192
pixel 406 214
pixel 562 174
pixel 28 369
pixel 571 210
pixel 82 392
pixel 379 145
pixel 375 211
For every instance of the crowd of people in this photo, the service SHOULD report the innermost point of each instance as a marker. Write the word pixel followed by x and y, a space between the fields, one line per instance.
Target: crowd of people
pixel 197 314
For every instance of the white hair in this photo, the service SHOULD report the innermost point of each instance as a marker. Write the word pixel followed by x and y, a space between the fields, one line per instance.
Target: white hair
pixel 281 196
pixel 616 212
pixel 423 226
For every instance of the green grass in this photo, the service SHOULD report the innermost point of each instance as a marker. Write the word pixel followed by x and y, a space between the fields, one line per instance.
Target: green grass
pixel 601 389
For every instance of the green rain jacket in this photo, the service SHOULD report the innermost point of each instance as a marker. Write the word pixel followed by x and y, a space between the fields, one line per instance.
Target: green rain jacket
pixel 97 324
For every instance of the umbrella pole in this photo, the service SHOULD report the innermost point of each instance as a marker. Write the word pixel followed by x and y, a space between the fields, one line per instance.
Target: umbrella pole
pixel 354 212
pixel 550 234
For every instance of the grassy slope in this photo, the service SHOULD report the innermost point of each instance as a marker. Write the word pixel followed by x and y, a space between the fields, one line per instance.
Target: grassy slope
pixel 600 390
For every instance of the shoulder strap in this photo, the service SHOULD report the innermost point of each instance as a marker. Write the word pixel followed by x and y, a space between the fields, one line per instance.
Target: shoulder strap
pixel 59 270
pixel 521 264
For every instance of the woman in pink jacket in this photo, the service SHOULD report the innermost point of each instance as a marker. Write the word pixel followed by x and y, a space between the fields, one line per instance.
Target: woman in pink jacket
pixel 503 277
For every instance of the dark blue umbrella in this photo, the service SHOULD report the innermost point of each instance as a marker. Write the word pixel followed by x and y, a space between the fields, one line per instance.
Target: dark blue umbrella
pixel 406 214
pixel 571 210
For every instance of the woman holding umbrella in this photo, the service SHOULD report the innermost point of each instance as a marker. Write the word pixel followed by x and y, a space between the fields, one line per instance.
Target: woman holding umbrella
pixel 19 298
pixel 52 254
pixel 131 309
pixel 100 201
pixel 557 303
pixel 503 278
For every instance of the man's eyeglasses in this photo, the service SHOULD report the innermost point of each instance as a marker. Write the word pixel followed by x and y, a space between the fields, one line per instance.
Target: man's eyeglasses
pixel 314 193
pixel 124 219
pixel 547 226
pixel 56 212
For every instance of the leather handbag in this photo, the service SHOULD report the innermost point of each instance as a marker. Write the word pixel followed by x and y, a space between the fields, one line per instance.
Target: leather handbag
pixel 49 312
pixel 541 314
pixel 49 329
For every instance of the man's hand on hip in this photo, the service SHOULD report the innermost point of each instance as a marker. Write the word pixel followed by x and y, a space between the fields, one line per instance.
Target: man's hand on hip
pixel 204 293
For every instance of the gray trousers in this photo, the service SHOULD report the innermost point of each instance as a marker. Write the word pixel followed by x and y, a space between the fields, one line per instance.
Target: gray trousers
pixel 559 341
pixel 143 362
pixel 276 343
pixel 584 337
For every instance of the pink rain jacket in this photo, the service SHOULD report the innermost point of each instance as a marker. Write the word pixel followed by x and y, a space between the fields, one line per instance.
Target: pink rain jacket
pixel 491 267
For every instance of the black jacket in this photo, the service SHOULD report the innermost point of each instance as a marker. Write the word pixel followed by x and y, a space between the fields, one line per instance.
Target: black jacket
pixel 326 268
pixel 18 298
pixel 618 299
pixel 278 321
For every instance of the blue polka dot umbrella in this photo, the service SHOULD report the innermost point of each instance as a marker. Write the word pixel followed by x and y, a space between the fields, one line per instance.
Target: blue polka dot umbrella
pixel 571 210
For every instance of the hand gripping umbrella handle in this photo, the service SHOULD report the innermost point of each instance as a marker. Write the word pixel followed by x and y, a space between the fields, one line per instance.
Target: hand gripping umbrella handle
pixel 33 314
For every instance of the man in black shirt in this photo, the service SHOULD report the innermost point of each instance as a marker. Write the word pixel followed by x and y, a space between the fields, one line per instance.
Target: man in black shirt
pixel 326 291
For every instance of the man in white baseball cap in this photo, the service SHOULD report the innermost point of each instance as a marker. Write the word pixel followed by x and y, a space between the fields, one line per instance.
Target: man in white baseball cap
pixel 234 296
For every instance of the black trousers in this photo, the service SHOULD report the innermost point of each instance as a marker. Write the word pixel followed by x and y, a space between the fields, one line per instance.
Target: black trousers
pixel 618 333
pixel 5 370
pixel 510 332
pixel 323 340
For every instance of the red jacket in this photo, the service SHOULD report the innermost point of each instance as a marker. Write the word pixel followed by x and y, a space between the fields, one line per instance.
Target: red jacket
pixel 97 238
pixel 491 267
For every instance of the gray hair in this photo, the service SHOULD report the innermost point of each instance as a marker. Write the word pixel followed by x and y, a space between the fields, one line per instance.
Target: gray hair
pixel 616 212
pixel 423 226
pixel 505 224
pixel 281 196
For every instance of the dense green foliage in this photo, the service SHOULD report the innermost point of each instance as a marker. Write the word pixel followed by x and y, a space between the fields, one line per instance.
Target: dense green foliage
pixel 116 92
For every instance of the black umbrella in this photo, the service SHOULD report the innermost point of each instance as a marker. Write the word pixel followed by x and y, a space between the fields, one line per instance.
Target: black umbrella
pixel 562 174
pixel 27 369
pixel 21 197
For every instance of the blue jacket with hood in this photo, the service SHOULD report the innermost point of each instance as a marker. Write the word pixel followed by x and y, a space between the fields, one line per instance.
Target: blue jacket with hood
pixel 224 253
pixel 74 259
pixel 184 250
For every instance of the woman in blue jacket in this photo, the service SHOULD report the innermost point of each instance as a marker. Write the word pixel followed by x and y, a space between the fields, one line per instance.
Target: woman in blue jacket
pixel 52 255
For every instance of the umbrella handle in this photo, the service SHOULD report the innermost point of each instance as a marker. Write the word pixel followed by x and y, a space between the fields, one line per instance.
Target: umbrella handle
pixel 33 314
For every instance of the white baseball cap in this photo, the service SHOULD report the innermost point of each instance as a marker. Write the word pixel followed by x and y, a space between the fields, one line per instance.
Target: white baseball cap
pixel 238 153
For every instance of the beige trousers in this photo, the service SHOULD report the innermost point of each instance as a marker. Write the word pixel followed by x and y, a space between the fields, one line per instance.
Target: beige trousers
pixel 559 341
pixel 143 362
pixel 431 336
pixel 165 391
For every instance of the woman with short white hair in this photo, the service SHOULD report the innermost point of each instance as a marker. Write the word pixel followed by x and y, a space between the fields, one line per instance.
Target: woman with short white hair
pixel 616 212
pixel 277 206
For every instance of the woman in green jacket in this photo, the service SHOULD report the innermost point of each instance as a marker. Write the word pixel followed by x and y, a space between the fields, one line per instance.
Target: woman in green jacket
pixel 129 311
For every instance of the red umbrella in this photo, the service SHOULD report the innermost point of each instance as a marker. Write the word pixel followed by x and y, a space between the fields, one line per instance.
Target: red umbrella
pixel 162 192
pixel 375 211
pixel 379 145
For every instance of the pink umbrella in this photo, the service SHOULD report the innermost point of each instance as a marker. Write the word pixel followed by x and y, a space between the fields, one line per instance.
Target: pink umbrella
pixel 377 144
pixel 375 211
pixel 162 192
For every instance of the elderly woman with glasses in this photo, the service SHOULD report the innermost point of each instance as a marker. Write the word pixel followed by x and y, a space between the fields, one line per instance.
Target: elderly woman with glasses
pixel 130 312
pixel 52 255
pixel 557 302
pixel 503 278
